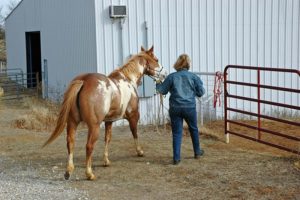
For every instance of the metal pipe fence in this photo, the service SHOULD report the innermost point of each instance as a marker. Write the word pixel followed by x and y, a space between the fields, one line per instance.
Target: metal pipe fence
pixel 16 85
pixel 258 113
pixel 205 105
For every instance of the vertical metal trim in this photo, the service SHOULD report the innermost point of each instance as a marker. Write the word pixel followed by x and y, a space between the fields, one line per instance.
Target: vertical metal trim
pixel 258 105
pixel 206 40
pixel 199 16
pixel 285 47
pixel 169 36
pixel 184 28
pixel 146 27
pixel 243 48
pixel 236 50
pixel 292 25
pixel 192 33
pixel 104 39
pixel 264 36
pixel 222 59
pixel 152 15
pixel 229 32
pixel 278 11
pixel 161 35
pixel 113 45
pixel 271 47
pixel 264 52
pixel 214 35
pixel 284 43
pixel 137 24
pixel 298 53
pixel 257 32
pixel 129 43
pixel 250 52
pixel 176 25
pixel 221 19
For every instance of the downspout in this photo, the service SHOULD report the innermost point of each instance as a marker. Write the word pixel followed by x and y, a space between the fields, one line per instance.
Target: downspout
pixel 122 21
pixel 146 35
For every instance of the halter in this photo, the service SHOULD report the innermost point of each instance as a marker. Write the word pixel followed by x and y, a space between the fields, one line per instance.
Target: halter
pixel 158 73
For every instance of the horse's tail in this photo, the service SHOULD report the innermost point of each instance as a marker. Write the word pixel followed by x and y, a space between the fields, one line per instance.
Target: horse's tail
pixel 69 100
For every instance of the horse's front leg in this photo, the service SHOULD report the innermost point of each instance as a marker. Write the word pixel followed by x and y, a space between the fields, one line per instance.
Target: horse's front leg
pixel 108 126
pixel 133 121
pixel 92 138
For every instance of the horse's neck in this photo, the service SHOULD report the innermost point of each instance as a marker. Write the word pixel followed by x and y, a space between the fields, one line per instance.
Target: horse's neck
pixel 133 72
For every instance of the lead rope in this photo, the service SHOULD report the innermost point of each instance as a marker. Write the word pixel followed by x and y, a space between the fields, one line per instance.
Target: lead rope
pixel 161 110
pixel 161 97
pixel 217 88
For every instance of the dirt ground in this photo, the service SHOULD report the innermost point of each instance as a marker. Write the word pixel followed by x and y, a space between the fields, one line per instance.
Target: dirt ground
pixel 240 170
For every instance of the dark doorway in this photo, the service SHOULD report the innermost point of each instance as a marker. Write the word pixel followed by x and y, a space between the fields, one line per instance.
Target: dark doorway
pixel 34 62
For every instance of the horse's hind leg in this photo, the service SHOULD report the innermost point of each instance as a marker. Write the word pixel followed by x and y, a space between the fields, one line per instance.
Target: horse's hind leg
pixel 71 131
pixel 92 138
pixel 133 120
pixel 108 126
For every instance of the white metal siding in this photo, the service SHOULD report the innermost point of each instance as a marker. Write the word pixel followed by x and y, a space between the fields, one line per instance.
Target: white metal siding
pixel 214 33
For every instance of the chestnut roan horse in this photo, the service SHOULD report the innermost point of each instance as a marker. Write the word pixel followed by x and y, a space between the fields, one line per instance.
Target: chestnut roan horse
pixel 94 98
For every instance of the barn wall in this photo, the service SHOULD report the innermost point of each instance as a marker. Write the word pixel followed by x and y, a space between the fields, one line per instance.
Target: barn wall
pixel 214 33
pixel 68 40
pixel 78 36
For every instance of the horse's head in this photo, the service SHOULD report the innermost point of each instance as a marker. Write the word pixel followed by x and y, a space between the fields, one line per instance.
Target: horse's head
pixel 152 67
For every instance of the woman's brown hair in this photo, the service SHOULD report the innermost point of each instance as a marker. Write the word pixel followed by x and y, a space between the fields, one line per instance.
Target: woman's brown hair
pixel 183 62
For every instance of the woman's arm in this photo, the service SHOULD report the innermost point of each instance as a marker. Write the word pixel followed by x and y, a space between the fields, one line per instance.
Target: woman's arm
pixel 200 91
pixel 165 86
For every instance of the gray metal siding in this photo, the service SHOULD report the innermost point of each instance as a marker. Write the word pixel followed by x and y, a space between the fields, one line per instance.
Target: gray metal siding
pixel 68 38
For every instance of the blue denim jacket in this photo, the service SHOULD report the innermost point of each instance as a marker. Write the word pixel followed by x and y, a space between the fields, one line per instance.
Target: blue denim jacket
pixel 184 86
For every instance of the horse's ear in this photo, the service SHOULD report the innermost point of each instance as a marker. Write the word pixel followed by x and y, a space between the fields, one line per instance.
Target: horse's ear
pixel 151 49
pixel 142 48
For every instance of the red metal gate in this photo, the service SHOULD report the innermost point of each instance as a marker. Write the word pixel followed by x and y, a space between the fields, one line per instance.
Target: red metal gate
pixel 259 101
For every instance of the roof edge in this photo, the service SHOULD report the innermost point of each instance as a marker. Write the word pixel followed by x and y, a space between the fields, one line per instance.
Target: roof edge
pixel 13 10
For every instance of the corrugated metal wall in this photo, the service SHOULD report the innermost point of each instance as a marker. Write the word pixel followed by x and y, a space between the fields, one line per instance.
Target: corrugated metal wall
pixel 68 38
pixel 214 33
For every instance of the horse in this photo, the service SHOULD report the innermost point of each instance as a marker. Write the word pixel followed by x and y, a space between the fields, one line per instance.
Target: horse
pixel 95 98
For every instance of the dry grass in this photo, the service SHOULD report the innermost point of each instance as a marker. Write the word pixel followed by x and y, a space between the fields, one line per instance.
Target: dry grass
pixel 1 92
pixel 41 115
pixel 2 50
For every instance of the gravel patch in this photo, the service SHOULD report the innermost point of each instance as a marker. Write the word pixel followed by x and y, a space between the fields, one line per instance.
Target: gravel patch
pixel 25 183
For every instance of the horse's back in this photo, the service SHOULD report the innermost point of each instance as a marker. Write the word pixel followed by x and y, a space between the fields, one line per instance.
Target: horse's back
pixel 103 98
pixel 93 99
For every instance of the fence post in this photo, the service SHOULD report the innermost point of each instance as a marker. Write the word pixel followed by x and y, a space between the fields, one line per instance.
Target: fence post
pixel 37 83
pixel 17 86
pixel 201 114
pixel 45 92
pixel 225 105
pixel 258 105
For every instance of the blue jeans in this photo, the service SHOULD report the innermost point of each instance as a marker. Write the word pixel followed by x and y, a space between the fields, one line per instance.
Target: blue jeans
pixel 177 116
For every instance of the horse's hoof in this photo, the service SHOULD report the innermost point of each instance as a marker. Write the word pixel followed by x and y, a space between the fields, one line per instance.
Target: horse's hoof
pixel 91 177
pixel 67 175
pixel 140 153
pixel 106 163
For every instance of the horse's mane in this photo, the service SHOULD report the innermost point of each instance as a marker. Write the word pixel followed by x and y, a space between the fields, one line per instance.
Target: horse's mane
pixel 130 67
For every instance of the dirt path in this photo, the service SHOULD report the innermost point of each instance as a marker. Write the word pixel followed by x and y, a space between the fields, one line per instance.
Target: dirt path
pixel 227 171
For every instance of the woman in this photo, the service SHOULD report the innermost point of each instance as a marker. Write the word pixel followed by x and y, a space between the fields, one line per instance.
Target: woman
pixel 184 86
